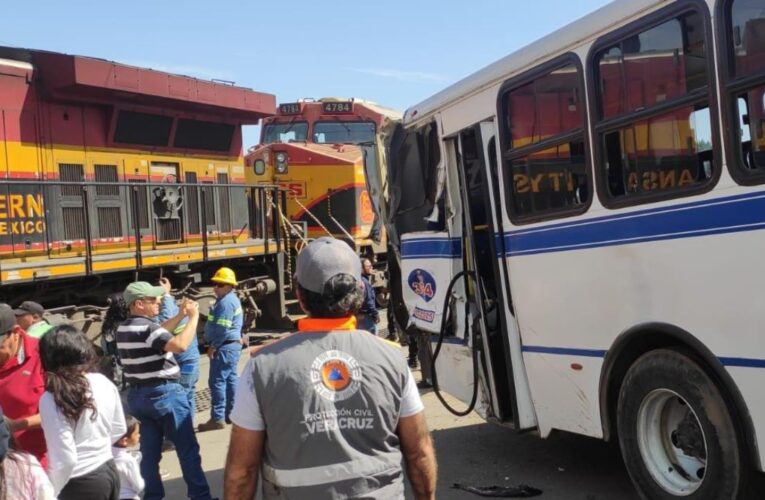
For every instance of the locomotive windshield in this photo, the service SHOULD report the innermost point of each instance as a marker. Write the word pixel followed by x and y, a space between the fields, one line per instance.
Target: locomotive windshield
pixel 285 132
pixel 343 132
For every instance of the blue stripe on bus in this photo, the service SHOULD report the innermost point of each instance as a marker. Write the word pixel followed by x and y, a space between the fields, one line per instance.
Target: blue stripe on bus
pixel 431 248
pixel 566 351
pixel 743 362
pixel 717 216
pixel 597 353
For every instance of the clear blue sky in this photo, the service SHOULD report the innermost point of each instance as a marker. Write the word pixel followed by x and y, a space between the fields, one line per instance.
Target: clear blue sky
pixel 395 53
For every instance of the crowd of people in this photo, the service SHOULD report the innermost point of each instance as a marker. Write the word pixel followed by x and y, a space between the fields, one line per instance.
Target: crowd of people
pixel 327 412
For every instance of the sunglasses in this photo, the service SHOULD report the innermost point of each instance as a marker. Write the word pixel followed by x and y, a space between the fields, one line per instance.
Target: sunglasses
pixel 218 285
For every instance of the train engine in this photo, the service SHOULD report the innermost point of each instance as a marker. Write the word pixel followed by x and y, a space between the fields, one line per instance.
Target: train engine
pixel 112 173
pixel 315 150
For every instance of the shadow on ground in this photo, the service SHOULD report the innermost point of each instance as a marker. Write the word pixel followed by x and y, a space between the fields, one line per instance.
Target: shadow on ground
pixel 214 479
pixel 564 466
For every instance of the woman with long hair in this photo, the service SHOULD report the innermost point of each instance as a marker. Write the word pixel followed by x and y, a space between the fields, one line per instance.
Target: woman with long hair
pixel 21 475
pixel 81 416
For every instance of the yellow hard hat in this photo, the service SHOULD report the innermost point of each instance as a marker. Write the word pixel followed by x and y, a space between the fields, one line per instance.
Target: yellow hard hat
pixel 226 276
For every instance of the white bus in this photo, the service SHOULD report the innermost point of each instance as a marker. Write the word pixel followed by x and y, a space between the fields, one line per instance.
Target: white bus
pixel 606 187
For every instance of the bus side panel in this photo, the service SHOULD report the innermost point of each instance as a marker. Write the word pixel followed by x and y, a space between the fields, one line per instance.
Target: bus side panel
pixel 576 301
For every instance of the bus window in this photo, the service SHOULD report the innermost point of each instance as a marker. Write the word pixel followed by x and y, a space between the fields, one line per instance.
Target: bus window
pixel 653 67
pixel 655 132
pixel 343 132
pixel 665 152
pixel 285 132
pixel 747 19
pixel 546 160
pixel 745 28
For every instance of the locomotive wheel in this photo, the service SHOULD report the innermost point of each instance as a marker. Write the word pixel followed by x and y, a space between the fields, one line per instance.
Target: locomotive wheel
pixel 677 435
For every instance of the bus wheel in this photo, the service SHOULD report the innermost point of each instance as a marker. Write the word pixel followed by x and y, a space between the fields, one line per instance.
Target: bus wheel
pixel 677 436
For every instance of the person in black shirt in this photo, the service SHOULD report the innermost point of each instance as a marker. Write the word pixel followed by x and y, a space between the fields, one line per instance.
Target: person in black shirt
pixel 368 316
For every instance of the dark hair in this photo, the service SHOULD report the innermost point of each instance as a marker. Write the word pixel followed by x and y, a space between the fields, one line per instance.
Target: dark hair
pixel 117 313
pixel 66 355
pixel 131 423
pixel 343 296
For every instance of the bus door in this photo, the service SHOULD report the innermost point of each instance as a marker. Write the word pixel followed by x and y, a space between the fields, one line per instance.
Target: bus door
pixel 477 177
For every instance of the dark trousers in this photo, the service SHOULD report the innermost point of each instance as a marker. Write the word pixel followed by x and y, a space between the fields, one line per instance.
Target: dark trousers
pixel 100 484
pixel 420 347
pixel 163 410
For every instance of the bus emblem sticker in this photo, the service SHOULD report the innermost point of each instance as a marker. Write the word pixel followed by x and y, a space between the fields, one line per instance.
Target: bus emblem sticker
pixel 423 284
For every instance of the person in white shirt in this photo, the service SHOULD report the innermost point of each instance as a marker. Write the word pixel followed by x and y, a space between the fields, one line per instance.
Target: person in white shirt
pixel 21 475
pixel 82 416
pixel 128 461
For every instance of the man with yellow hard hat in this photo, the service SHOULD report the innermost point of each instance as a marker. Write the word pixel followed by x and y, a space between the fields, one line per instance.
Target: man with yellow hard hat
pixel 223 334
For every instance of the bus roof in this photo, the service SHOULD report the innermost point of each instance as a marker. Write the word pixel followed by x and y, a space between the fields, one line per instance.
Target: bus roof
pixel 577 32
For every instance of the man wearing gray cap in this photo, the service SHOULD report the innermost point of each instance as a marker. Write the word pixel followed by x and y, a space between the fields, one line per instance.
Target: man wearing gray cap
pixel 329 411
pixel 29 316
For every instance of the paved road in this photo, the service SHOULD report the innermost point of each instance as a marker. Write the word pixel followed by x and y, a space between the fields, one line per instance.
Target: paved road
pixel 469 451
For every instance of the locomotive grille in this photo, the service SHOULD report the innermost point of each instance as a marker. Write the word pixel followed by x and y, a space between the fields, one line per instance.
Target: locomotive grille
pixel 106 173
pixel 192 203
pixel 168 230
pixel 72 211
pixel 224 204
pixel 74 222
pixel 209 205
pixel 143 210
pixel 70 172
pixel 109 222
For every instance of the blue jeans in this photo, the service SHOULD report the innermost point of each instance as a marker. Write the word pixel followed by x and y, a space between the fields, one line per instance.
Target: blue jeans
pixel 188 380
pixel 366 323
pixel 223 379
pixel 163 410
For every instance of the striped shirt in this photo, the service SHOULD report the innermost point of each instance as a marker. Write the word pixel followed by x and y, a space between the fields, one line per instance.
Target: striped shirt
pixel 141 345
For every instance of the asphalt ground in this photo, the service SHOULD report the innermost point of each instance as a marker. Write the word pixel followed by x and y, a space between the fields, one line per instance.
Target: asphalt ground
pixel 469 451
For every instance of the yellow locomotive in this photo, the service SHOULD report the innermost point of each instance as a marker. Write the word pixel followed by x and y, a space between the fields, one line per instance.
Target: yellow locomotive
pixel 112 172
pixel 315 151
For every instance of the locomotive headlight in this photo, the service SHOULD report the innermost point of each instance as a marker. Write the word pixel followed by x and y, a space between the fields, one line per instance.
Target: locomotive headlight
pixel 260 167
pixel 281 162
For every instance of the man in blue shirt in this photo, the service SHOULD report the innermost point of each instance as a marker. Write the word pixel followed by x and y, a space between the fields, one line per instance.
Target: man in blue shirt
pixel 188 360
pixel 223 334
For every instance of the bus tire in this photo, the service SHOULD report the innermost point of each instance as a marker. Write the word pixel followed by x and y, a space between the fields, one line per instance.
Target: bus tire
pixel 677 435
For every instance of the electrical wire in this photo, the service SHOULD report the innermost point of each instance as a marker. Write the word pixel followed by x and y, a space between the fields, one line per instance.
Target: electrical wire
pixel 441 335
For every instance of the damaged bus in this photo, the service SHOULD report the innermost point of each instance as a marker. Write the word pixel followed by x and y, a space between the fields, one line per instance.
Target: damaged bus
pixel 581 224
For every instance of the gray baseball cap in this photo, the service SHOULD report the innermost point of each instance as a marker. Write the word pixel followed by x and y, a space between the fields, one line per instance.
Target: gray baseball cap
pixel 29 307
pixel 323 259
pixel 7 319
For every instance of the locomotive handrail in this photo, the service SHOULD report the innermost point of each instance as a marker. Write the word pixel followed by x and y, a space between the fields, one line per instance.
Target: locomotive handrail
pixel 288 222
pixel 138 215
pixel 310 214
pixel 52 182
pixel 337 223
